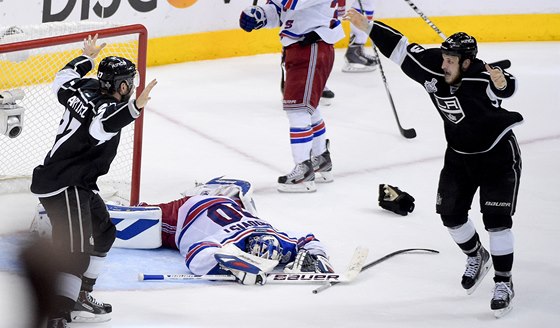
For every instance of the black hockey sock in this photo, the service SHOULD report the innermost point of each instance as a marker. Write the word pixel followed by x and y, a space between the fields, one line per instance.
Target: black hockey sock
pixel 471 246
pixel 87 284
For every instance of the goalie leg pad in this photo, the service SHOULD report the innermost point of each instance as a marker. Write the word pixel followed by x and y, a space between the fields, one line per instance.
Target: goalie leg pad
pixel 137 227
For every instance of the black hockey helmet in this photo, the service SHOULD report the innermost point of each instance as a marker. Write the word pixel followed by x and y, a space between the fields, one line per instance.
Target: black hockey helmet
pixel 460 44
pixel 113 70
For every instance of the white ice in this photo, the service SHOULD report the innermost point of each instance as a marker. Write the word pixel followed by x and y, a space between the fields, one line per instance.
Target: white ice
pixel 224 117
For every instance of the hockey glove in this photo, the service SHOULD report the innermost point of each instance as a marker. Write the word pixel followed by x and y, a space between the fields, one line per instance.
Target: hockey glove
pixel 395 200
pixel 252 18
pixel 307 262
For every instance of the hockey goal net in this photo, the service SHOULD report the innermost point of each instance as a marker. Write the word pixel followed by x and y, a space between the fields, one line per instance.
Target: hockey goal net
pixel 30 56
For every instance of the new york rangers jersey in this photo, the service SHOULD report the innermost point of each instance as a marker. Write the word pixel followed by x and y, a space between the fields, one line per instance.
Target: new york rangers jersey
pixel 296 18
pixel 206 223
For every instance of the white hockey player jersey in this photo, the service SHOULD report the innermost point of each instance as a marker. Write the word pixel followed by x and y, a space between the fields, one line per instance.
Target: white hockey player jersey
pixel 206 223
pixel 299 17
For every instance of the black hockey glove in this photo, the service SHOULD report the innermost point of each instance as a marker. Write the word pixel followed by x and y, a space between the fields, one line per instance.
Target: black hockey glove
pixel 395 200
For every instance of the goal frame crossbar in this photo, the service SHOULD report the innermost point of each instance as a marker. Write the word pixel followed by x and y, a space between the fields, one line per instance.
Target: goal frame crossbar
pixel 141 66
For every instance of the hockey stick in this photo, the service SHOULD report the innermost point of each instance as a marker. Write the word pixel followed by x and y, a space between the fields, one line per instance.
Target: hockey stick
pixel 407 133
pixel 354 268
pixel 426 19
pixel 271 277
pixel 384 258
pixel 503 64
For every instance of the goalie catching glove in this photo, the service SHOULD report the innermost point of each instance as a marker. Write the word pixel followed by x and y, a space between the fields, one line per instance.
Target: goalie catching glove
pixel 395 200
pixel 305 261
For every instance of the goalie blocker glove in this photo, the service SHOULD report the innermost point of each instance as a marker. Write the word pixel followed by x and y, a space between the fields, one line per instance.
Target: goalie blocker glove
pixel 395 200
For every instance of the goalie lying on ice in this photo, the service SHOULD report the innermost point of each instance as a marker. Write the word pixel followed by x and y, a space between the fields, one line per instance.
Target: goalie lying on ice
pixel 222 213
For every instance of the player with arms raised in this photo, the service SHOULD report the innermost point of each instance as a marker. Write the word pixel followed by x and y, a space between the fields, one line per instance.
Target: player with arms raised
pixel 66 183
pixel 482 150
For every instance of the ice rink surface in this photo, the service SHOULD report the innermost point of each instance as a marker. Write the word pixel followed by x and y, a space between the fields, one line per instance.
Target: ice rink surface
pixel 224 117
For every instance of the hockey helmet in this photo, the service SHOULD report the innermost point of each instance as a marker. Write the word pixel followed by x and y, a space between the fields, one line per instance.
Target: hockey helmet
pixel 113 70
pixel 265 246
pixel 460 44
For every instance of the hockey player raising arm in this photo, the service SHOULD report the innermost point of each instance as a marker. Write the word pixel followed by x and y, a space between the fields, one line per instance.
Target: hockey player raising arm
pixel 95 111
pixel 482 151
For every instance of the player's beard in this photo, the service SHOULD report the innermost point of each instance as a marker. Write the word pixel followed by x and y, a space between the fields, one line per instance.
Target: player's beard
pixel 451 78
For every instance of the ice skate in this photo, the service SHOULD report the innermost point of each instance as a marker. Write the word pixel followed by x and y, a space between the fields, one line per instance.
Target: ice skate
pixel 322 166
pixel 301 179
pixel 326 97
pixel 502 298
pixel 88 309
pixel 476 268
pixel 357 60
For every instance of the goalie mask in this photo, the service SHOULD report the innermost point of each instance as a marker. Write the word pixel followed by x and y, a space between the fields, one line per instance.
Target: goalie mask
pixel 265 246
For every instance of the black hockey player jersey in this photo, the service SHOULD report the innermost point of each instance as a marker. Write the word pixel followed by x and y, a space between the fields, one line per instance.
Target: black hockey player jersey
pixel 474 120
pixel 88 135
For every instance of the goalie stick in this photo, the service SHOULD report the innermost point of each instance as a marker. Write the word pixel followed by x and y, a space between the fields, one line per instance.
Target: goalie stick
pixel 382 259
pixel 354 267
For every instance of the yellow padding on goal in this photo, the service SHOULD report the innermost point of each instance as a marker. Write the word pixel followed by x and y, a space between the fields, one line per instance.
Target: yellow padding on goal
pixel 41 68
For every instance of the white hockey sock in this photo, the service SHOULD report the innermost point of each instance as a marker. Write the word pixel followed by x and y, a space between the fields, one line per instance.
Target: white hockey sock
pixel 319 134
pixel 301 134
pixel 501 242
pixel 463 233
pixel 96 264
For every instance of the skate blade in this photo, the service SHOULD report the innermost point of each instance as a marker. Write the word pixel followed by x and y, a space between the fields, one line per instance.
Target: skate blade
pixel 358 68
pixel 86 317
pixel 502 312
pixel 323 177
pixel 306 186
pixel 485 269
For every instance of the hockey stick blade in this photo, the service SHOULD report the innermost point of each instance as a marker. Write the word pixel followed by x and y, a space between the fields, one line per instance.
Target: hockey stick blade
pixel 382 259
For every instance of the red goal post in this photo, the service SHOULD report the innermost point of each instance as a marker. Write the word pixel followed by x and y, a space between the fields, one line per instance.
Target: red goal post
pixel 30 56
